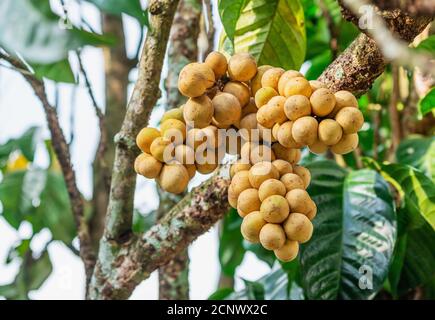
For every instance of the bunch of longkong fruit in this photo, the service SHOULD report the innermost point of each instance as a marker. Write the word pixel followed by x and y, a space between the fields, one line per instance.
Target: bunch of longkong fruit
pixel 264 115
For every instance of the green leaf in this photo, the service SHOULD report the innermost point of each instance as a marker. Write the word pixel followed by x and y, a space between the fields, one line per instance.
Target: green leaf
pixel 131 7
pixel 427 45
pixel 57 71
pixel 318 65
pixel 427 103
pixel 142 223
pixel 417 191
pixel 221 294
pixel 354 233
pixel 40 37
pixel 419 262
pixel 418 152
pixel 231 251
pixel 32 274
pixel 229 11
pixel 40 197
pixel 272 31
pixel 26 144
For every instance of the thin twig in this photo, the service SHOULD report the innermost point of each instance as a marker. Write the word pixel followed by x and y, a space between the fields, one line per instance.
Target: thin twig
pixel 102 145
pixel 61 149
pixel 211 30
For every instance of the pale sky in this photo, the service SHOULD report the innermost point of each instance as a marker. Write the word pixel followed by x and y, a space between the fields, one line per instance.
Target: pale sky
pixel 20 109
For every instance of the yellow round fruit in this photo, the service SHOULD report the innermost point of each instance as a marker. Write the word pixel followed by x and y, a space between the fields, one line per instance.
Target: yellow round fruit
pixel 318 147
pixel 248 202
pixel 232 197
pixel 297 86
pixel 263 95
pixel 251 226
pixel 275 130
pixel 322 102
pixel 233 142
pixel 266 134
pixel 256 81
pixel 191 170
pixel 198 112
pixel 248 128
pixel 146 165
pixel 276 105
pixel 297 106
pixel 271 78
pixel 176 113
pixel 195 79
pixel 288 252
pixel 260 153
pixel 207 160
pixel 173 130
pixel 329 132
pixel 213 137
pixel 272 236
pixel 249 108
pixel 350 119
pixel 218 63
pixel 145 137
pixel 264 117
pixel 316 85
pixel 344 99
pixel 285 77
pixel 285 137
pixel 260 172
pixel 304 130
pixel 292 181
pixel 239 90
pixel 275 209
pixel 227 109
pixel 184 154
pixel 304 174
pixel 271 187
pixel 195 137
pixel 242 67
pixel 238 166
pixel 298 227
pixel 291 155
pixel 174 178
pixel 240 182
pixel 162 149
pixel 282 166
pixel 299 201
pixel 347 144
pixel 313 210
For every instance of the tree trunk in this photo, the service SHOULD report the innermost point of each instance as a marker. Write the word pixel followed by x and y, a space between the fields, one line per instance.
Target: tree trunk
pixel 183 49
pixel 117 69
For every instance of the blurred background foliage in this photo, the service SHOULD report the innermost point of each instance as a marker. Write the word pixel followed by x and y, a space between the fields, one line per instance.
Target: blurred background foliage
pixel 376 206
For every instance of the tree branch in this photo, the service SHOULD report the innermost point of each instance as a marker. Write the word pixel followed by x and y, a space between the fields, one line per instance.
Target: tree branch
pixel 363 62
pixel 413 7
pixel 122 267
pixel 61 149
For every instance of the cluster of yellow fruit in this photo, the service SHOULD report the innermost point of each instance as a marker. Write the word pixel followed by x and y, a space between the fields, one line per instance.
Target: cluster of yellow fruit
pixel 276 209
pixel 304 113
pixel 189 139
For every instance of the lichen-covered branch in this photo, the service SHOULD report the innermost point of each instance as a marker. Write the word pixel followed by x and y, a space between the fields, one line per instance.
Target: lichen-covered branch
pixel 144 97
pixel 183 49
pixel 122 267
pixel 61 149
pixel 363 62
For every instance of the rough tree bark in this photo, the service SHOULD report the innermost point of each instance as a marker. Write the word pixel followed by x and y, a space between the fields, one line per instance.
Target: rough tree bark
pixel 414 7
pixel 126 260
pixel 117 68
pixel 183 49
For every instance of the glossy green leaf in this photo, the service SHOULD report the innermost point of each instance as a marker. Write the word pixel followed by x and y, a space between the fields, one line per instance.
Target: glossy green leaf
pixel 41 37
pixel 272 31
pixel 221 294
pixel 351 249
pixel 57 71
pixel 130 7
pixel 318 65
pixel 427 44
pixel 418 152
pixel 416 189
pixel 427 103
pixel 231 251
